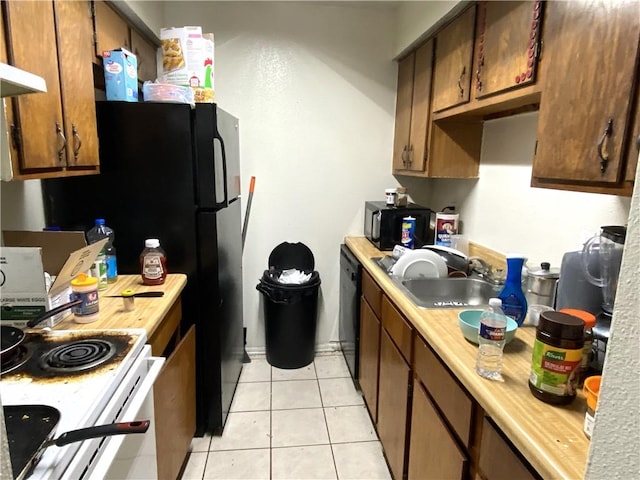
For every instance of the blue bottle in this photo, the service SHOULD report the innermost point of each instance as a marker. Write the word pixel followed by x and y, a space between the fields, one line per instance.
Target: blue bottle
pixel 514 303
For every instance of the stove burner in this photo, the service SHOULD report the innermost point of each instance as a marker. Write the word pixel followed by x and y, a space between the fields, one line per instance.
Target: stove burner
pixel 18 358
pixel 78 355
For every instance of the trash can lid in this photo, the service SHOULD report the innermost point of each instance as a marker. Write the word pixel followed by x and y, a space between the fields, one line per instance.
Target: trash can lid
pixel 291 255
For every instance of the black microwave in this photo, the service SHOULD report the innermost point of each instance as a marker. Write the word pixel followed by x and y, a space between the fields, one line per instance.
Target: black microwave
pixel 383 224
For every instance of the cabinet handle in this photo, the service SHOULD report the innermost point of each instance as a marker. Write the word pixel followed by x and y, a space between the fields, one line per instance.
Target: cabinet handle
pixel 404 156
pixel 462 74
pixel 410 155
pixel 61 137
pixel 604 156
pixel 77 142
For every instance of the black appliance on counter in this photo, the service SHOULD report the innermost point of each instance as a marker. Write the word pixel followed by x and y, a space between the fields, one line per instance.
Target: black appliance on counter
pixel 349 315
pixel 383 224
pixel 172 172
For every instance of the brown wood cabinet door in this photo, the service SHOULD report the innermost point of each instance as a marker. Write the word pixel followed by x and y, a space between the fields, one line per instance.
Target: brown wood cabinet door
pixel 75 52
pixel 421 106
pixel 112 31
pixel 591 64
pixel 145 53
pixel 497 459
pixel 393 404
pixel 507 45
pixel 453 63
pixel 403 112
pixel 37 117
pixel 433 452
pixel 174 394
pixel 369 357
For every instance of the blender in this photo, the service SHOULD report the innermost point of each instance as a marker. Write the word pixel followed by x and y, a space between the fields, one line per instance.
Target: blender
pixel 608 247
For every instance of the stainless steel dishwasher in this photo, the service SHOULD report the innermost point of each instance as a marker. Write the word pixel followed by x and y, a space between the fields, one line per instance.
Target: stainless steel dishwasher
pixel 350 291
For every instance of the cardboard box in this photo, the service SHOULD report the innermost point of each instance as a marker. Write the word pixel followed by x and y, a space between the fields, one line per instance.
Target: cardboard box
pixel 120 75
pixel 25 290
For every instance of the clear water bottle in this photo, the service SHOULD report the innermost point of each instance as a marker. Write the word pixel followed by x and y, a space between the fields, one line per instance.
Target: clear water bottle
pixel 493 326
pixel 97 233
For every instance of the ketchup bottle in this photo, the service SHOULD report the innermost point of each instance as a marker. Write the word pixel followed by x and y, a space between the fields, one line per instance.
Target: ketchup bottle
pixel 153 263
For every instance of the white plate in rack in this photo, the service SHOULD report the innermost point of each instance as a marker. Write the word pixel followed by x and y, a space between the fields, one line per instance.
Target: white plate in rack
pixel 420 264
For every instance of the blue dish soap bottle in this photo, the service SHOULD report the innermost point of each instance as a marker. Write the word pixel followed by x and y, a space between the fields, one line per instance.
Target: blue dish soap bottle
pixel 514 303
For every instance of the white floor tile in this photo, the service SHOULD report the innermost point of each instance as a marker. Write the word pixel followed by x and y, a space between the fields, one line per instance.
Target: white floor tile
pixel 338 392
pixel 239 465
pixel 360 461
pixel 310 462
pixel 252 396
pixel 295 394
pixel 195 466
pixel 201 444
pixel 349 424
pixel 292 428
pixel 304 373
pixel 331 366
pixel 244 430
pixel 258 370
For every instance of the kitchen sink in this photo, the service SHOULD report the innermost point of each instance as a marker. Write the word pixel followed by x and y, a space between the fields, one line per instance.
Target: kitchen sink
pixel 442 292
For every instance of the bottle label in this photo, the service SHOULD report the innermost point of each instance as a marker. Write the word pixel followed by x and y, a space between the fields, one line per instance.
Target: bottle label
pixel 408 228
pixel 89 304
pixel 512 307
pixel 112 268
pixel 555 370
pixel 99 271
pixel 152 266
pixel 495 334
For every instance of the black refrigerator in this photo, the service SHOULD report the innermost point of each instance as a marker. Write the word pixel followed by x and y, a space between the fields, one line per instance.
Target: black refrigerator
pixel 172 172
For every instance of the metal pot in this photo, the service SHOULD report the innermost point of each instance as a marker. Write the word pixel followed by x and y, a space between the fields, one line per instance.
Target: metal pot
pixel 541 285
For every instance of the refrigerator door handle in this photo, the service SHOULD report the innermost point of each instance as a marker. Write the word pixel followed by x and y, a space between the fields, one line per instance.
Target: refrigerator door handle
pixel 223 165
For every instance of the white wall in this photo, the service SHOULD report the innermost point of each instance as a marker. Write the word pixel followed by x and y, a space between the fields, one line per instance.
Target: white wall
pixel 314 88
pixel 501 210
pixel 150 12
pixel 416 18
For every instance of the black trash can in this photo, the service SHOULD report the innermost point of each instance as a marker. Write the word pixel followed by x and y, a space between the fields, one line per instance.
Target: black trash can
pixel 290 309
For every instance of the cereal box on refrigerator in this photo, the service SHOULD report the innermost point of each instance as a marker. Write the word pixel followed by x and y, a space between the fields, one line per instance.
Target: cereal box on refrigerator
pixel 187 60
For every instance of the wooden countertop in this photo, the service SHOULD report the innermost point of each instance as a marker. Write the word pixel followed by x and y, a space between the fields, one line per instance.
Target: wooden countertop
pixel 148 312
pixel 550 437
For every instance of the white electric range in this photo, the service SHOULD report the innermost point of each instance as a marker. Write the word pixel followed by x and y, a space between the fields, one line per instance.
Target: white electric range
pixel 92 377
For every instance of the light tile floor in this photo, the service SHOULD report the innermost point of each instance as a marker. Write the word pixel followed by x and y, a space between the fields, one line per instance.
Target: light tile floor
pixel 309 423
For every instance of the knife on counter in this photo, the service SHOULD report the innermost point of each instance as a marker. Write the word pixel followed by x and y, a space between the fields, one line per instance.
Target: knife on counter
pixel 138 294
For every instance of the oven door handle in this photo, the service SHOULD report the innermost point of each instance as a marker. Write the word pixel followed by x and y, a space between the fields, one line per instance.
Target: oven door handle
pixel 107 457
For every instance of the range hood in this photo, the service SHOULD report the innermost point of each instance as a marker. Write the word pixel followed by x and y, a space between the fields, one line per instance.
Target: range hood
pixel 14 81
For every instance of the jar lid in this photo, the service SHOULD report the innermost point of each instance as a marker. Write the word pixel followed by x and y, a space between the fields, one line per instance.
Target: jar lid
pixel 615 233
pixel 128 292
pixel 545 271
pixel 390 190
pixel 588 317
pixel 83 280
pixel 152 243
pixel 561 325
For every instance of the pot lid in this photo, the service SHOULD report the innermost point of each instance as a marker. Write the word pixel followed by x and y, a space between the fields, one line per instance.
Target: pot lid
pixel 544 271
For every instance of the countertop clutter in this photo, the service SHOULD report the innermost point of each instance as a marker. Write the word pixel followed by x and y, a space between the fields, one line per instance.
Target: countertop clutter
pixel 550 438
pixel 147 313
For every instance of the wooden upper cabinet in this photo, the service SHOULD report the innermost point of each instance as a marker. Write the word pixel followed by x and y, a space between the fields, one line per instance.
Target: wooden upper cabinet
pixel 37 128
pixel 76 75
pixel 589 88
pixel 507 45
pixel 453 62
pixel 53 133
pixel 413 110
pixel 112 31
pixel 145 53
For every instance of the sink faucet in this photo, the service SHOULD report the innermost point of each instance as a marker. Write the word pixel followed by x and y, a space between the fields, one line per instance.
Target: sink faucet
pixel 486 272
